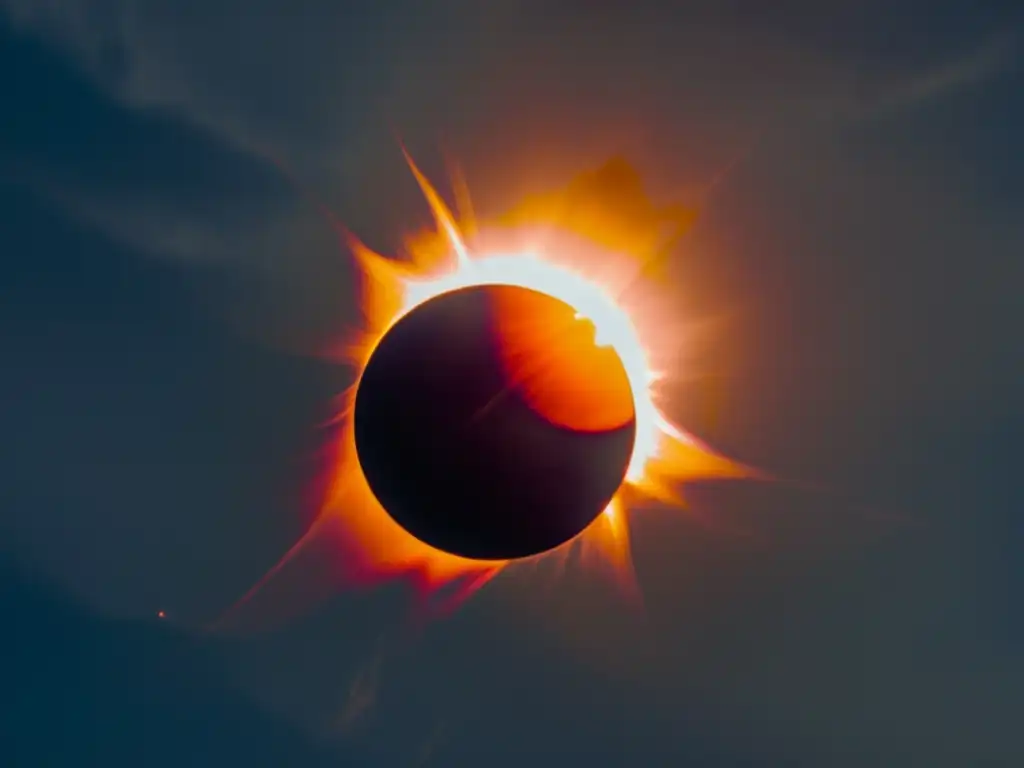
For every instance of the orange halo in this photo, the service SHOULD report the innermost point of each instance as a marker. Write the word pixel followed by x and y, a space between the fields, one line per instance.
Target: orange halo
pixel 554 358
pixel 608 237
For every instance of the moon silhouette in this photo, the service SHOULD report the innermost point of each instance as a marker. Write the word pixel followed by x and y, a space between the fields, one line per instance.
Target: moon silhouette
pixel 490 425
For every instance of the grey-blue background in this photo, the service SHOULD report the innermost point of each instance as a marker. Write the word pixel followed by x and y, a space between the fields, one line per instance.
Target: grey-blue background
pixel 859 266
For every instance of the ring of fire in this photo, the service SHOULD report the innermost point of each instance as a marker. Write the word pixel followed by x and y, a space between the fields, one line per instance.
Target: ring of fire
pixel 615 236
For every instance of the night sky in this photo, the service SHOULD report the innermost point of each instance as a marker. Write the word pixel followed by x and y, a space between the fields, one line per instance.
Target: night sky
pixel 859 176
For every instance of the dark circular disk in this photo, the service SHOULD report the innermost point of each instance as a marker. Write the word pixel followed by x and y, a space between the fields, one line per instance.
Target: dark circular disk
pixel 457 457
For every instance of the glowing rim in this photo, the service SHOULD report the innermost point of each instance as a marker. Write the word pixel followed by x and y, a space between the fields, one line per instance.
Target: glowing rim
pixel 664 457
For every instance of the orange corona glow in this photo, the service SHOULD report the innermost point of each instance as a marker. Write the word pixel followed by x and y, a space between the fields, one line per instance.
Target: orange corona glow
pixel 593 255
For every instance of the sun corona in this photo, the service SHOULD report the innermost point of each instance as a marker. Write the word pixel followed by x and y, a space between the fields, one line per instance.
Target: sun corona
pixel 596 256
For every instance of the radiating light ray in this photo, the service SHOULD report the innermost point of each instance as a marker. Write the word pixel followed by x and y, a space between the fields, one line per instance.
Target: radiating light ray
pixel 443 216
pixel 597 246
pixel 590 277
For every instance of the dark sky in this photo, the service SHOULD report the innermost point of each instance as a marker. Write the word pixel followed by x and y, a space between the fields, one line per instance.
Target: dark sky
pixel 861 264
